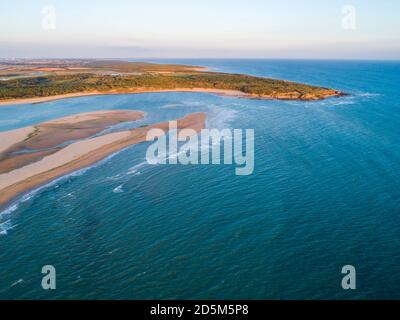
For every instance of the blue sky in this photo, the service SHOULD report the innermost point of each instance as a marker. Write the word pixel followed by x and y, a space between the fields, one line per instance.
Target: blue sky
pixel 200 28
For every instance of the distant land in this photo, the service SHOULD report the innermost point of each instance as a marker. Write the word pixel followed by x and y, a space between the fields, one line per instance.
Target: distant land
pixel 34 81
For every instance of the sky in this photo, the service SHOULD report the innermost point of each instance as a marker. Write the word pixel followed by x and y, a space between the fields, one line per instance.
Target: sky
pixel 302 29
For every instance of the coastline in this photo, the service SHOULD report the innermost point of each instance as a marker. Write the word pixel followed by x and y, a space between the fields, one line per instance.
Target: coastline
pixel 222 92
pixel 45 138
pixel 79 155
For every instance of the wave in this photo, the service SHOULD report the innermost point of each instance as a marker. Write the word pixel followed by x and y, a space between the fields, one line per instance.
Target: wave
pixel 220 118
pixel 341 103
pixel 368 94
pixel 17 282
pixel 351 99
pixel 7 225
pixel 118 189
pixel 5 222
pixel 134 170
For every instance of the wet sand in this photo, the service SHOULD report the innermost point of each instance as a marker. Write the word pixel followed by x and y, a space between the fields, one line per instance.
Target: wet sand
pixel 81 154
pixel 26 145
pixel 12 137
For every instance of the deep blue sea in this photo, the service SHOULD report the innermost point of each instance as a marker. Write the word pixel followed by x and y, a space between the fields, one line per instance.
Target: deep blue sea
pixel 325 193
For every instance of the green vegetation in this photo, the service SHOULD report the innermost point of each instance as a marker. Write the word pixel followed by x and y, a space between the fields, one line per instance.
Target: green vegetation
pixel 134 67
pixel 51 85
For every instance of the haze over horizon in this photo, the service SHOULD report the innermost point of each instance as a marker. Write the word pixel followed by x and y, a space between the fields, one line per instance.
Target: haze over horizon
pixel 285 29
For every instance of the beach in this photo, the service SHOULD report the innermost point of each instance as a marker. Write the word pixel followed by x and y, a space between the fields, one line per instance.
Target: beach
pixel 325 172
pixel 230 93
pixel 26 145
pixel 133 91
pixel 78 154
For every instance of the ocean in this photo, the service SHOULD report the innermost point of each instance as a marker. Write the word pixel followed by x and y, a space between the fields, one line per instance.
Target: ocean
pixel 325 193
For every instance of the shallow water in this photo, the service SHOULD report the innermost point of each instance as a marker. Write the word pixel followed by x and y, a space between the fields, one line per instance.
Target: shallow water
pixel 325 193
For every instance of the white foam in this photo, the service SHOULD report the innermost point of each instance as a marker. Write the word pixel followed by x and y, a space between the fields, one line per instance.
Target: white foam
pixel 368 94
pixel 17 282
pixel 9 210
pixel 5 223
pixel 134 170
pixel 5 226
pixel 118 189
pixel 115 177
pixel 341 103
pixel 220 118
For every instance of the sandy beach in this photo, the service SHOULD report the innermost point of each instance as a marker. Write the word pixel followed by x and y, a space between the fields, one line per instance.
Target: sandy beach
pixel 10 138
pixel 231 93
pixel 80 154
pixel 133 91
pixel 25 145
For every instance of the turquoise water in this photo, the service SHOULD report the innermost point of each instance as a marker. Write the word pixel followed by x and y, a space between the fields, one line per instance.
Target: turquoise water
pixel 325 193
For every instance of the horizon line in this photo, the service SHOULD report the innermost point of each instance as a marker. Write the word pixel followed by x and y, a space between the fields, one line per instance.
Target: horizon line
pixel 203 58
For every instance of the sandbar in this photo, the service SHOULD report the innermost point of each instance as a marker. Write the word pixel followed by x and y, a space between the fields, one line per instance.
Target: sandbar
pixel 81 154
pixel 26 145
